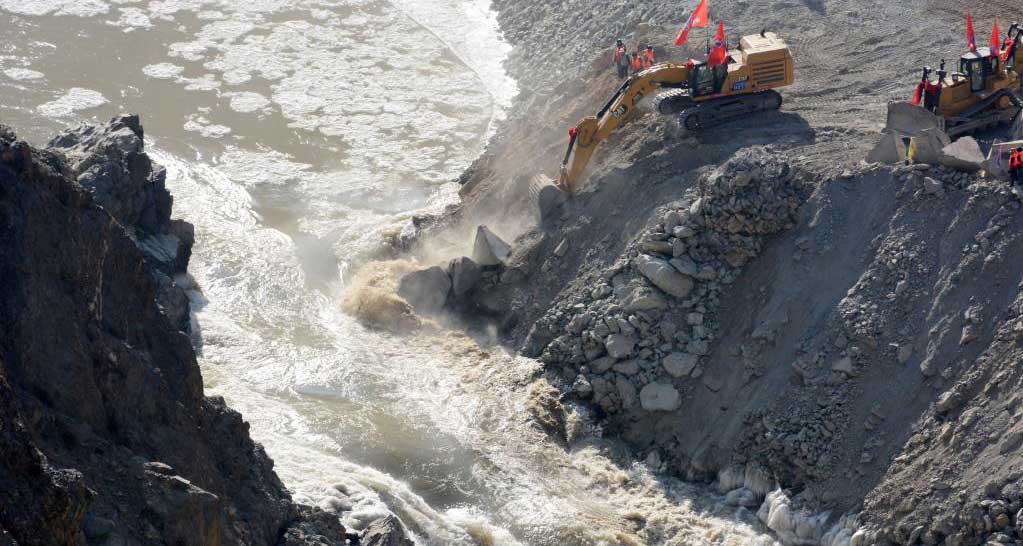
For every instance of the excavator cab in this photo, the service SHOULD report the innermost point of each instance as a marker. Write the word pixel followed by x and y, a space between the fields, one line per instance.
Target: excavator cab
pixel 976 67
pixel 706 80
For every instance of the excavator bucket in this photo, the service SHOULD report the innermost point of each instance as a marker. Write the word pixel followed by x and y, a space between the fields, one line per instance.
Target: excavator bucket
pixel 908 119
pixel 547 196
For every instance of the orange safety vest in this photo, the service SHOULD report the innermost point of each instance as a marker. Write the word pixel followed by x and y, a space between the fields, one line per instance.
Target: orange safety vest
pixel 1014 160
pixel 636 63
pixel 619 51
pixel 648 55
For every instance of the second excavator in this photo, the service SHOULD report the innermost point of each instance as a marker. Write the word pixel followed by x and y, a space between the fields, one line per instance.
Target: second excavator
pixel 700 95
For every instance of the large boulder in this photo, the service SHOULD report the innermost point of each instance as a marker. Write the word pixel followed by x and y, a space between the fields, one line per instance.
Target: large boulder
pixel 464 275
pixel 664 276
pixel 890 150
pixel 426 290
pixel 642 298
pixel 387 531
pixel 659 397
pixel 620 345
pixel 680 364
pixel 963 154
pixel 927 146
pixel 489 249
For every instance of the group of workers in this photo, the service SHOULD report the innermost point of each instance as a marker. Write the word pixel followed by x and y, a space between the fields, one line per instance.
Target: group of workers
pixel 1016 166
pixel 627 63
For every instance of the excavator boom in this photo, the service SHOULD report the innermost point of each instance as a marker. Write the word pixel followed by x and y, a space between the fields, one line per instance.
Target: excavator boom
pixel 590 131
pixel 702 95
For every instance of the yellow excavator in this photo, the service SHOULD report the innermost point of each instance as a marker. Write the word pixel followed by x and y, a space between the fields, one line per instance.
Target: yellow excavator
pixel 700 95
pixel 984 92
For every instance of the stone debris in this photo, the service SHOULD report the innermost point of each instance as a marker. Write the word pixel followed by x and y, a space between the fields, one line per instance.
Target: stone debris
pixel 664 276
pixel 655 324
pixel 964 154
pixel 659 397
pixel 386 531
pixel 680 364
pixel 890 150
pixel 927 146
pixel 426 290
pixel 488 249
pixel 464 275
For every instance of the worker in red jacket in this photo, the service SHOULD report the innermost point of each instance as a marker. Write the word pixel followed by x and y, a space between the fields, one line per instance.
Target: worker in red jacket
pixel 1016 166
pixel 637 63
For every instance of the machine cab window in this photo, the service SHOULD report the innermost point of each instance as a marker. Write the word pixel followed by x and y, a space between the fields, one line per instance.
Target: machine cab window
pixel 975 67
pixel 704 80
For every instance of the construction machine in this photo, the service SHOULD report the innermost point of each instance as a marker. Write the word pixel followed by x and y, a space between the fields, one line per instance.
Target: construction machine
pixel 984 92
pixel 700 95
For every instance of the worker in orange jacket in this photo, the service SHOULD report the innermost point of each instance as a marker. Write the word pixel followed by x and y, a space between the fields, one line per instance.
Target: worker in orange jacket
pixel 648 56
pixel 637 63
pixel 620 58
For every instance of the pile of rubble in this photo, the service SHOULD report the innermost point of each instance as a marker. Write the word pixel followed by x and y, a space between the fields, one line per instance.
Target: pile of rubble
pixel 638 335
pixel 457 285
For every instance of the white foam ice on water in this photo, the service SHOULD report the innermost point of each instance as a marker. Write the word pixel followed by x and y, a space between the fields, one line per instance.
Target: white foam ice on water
pixel 199 124
pixel 247 102
pixel 80 8
pixel 163 71
pixel 132 18
pixel 22 74
pixel 76 99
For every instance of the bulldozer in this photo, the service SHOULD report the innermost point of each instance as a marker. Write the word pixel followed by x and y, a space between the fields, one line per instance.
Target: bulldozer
pixel 986 91
pixel 701 96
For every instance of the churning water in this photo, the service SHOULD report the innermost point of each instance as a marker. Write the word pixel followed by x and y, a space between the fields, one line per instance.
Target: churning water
pixel 296 134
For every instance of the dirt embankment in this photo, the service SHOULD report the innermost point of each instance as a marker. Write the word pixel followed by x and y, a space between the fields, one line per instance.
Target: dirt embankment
pixel 754 305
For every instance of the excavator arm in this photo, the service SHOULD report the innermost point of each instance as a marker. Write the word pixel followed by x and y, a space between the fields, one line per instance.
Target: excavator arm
pixel 592 130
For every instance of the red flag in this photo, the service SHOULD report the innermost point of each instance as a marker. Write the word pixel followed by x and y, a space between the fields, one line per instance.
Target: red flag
pixel 719 54
pixel 698 18
pixel 971 37
pixel 995 42
pixel 918 93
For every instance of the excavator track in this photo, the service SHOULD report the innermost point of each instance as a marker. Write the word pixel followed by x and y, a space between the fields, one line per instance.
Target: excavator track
pixel 712 112
pixel 985 114
pixel 672 101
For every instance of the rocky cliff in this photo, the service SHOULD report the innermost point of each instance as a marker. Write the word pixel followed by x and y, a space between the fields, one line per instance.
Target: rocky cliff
pixel 106 437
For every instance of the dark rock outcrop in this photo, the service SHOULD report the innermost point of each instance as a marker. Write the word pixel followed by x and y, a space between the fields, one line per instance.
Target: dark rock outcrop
pixel 105 434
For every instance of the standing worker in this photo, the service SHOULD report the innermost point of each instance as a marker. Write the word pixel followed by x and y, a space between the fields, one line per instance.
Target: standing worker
pixel 648 56
pixel 620 59
pixel 1016 166
pixel 637 63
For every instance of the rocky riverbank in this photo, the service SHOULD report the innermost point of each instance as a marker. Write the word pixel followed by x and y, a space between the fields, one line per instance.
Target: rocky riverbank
pixel 831 342
pixel 106 437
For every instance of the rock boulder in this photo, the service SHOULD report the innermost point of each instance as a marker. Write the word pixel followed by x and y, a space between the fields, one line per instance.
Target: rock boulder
pixel 664 276
pixel 426 290
pixel 488 249
pixel 659 397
